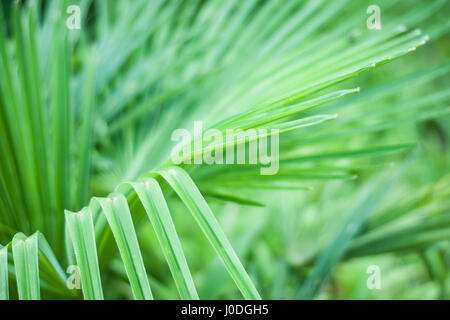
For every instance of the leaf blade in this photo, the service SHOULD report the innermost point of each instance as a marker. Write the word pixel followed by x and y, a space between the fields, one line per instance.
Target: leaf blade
pixel 186 189
pixel 25 253
pixel 81 229
pixel 4 290
pixel 118 215
pixel 155 205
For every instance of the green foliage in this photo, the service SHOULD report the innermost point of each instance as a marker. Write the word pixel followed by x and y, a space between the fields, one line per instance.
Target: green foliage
pixel 86 118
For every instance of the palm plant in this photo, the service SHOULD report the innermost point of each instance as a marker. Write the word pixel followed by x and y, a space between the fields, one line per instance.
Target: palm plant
pixel 85 132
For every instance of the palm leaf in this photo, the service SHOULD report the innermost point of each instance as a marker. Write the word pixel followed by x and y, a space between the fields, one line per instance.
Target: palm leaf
pixel 82 111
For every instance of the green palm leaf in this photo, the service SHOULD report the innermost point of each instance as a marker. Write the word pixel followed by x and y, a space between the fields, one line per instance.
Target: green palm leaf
pixel 86 123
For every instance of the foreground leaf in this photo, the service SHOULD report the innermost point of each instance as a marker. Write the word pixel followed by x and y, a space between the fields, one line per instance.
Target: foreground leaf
pixel 155 205
pixel 25 253
pixel 4 291
pixel 186 189
pixel 81 230
pixel 116 210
